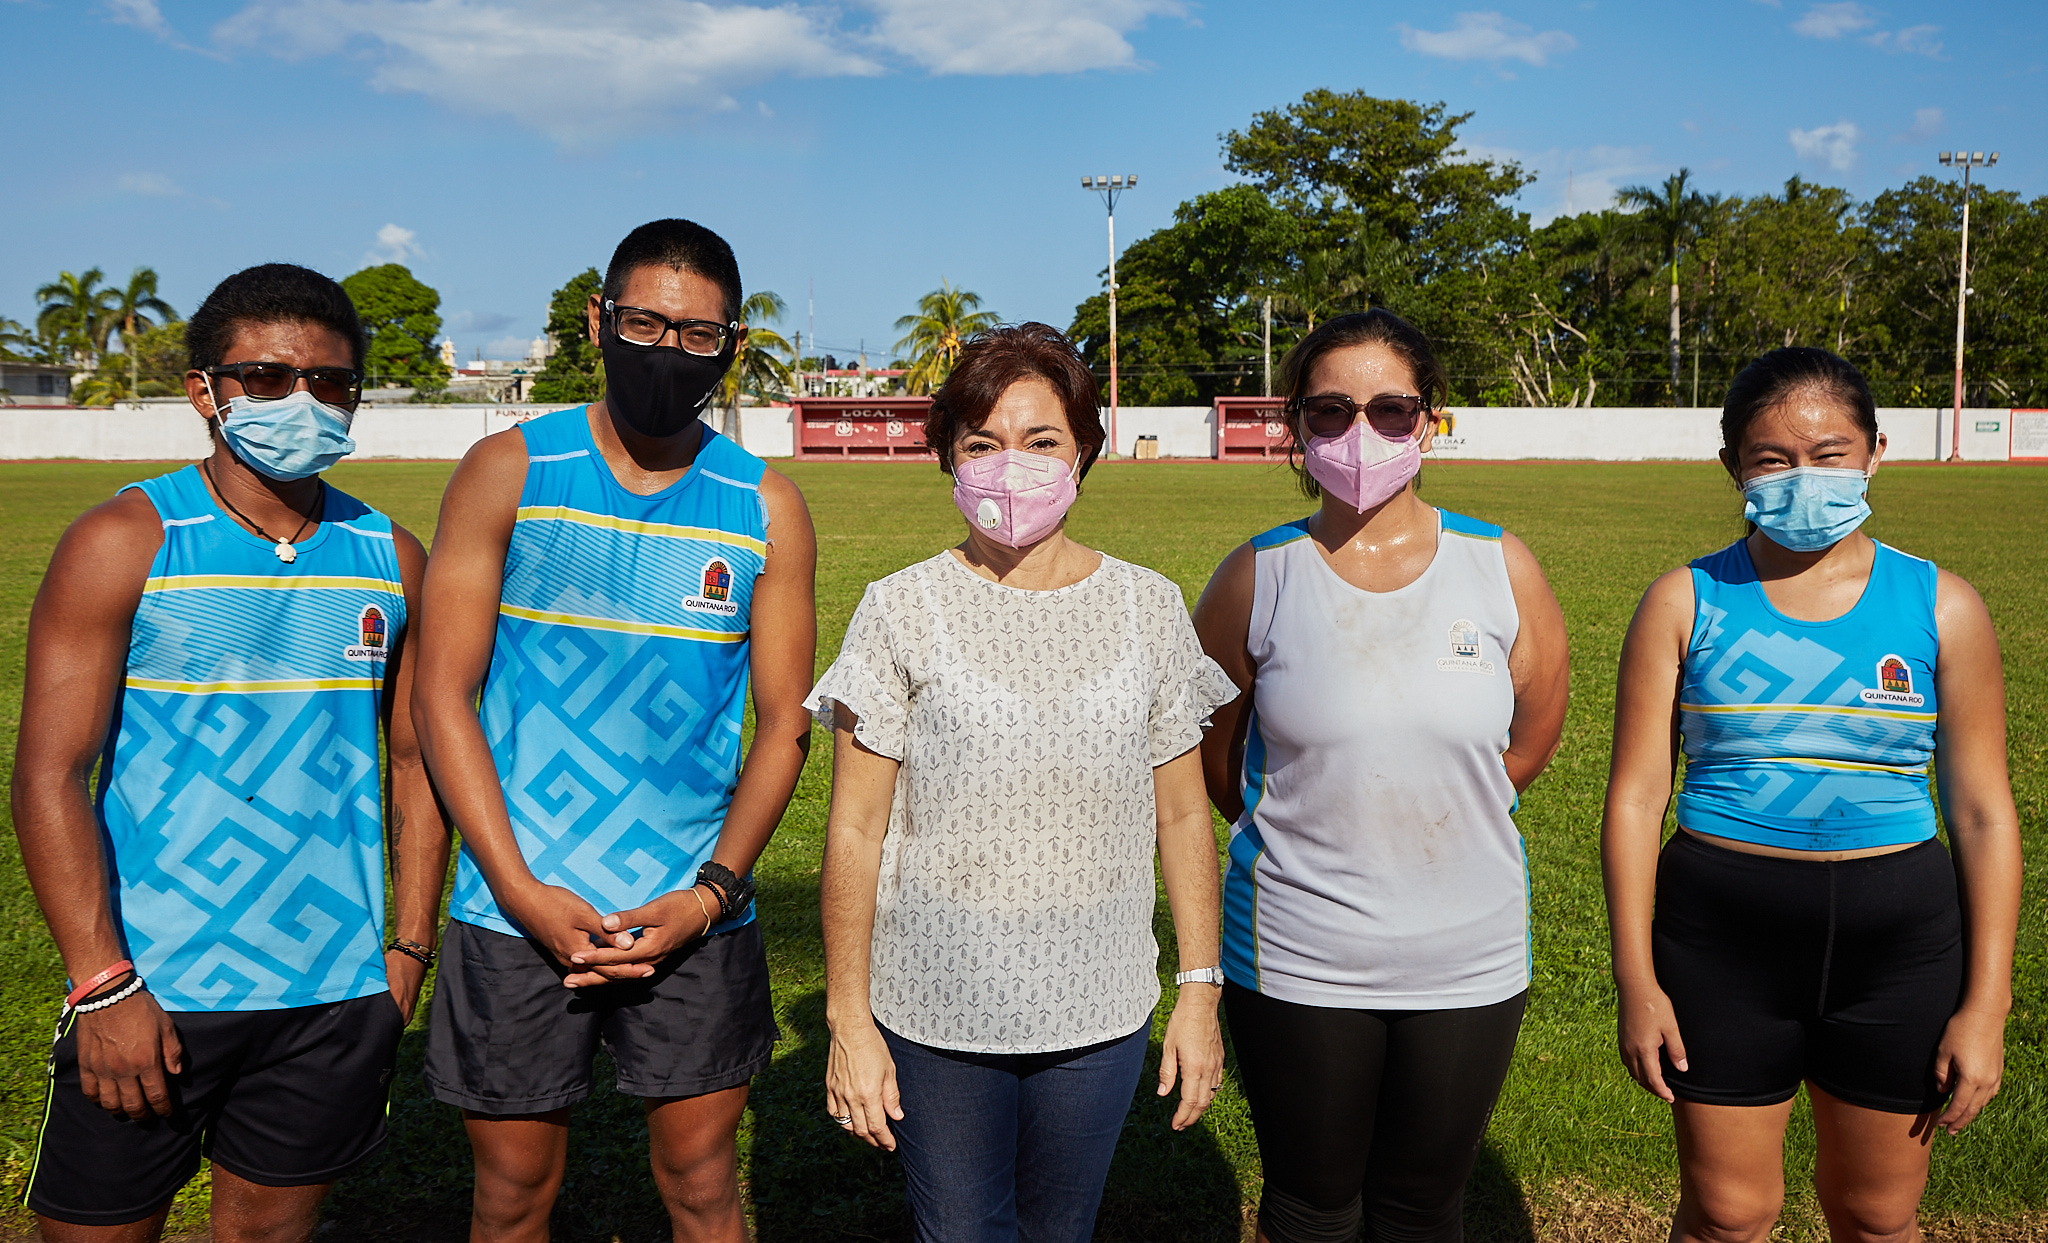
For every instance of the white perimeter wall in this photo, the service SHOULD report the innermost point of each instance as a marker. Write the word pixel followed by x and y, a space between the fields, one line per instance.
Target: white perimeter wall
pixel 174 432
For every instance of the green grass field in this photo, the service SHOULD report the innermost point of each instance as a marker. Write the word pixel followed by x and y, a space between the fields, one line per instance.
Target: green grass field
pixel 1575 1151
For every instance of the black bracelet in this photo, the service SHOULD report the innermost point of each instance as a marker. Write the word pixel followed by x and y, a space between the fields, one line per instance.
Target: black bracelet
pixel 734 892
pixel 413 950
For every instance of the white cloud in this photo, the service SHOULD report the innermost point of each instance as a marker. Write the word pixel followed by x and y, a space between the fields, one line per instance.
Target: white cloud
pixel 1571 180
pixel 395 244
pixel 578 70
pixel 141 14
pixel 149 185
pixel 1919 40
pixel 1488 36
pixel 1927 122
pixel 1832 145
pixel 1832 21
pixel 1003 37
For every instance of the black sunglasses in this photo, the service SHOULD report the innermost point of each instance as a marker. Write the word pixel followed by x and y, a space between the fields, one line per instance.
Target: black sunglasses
pixel 337 386
pixel 639 326
pixel 1391 415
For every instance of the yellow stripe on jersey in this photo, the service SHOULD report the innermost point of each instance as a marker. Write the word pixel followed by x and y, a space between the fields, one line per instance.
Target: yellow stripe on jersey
pixel 624 627
pixel 1834 709
pixel 263 582
pixel 583 517
pixel 254 688
pixel 1846 765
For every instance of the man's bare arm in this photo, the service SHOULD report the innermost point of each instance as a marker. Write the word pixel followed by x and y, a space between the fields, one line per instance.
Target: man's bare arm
pixel 418 827
pixel 78 636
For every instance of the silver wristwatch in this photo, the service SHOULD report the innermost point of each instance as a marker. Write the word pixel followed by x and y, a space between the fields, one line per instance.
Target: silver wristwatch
pixel 1200 975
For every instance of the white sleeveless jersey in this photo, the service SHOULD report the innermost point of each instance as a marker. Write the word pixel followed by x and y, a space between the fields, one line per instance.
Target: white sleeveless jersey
pixel 1375 865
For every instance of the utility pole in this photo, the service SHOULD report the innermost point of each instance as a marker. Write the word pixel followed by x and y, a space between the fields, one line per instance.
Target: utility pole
pixel 1966 159
pixel 1266 343
pixel 1111 188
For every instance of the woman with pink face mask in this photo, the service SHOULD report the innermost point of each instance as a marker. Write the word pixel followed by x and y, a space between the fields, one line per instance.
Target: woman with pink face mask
pixel 1407 676
pixel 1016 730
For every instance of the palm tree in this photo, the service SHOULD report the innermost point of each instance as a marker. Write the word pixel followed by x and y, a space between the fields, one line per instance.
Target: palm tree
pixel 757 366
pixel 131 309
pixel 77 312
pixel 1674 216
pixel 16 341
pixel 1608 247
pixel 1317 284
pixel 946 317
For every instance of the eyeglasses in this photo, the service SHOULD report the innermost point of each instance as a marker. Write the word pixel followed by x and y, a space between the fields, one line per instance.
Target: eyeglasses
pixel 337 386
pixel 638 326
pixel 1391 415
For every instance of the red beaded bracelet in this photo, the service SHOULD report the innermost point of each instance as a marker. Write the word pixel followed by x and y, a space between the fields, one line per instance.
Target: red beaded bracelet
pixel 85 990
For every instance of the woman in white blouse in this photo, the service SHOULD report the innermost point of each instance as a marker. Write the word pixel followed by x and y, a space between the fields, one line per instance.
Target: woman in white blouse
pixel 1017 724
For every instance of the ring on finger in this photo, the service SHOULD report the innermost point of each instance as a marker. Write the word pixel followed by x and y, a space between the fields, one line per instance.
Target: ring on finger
pixel 843 1120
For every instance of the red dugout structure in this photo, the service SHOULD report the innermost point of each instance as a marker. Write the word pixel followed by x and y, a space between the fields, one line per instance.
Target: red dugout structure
pixel 1250 429
pixel 842 429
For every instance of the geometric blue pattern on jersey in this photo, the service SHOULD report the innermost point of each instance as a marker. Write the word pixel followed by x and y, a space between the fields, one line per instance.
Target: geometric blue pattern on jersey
pixel 1810 735
pixel 618 680
pixel 239 788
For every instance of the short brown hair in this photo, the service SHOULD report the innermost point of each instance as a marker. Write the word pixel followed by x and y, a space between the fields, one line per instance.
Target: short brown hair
pixel 1001 357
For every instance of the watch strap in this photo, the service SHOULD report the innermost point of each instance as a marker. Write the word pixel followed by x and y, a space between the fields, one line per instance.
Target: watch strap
pixel 1200 975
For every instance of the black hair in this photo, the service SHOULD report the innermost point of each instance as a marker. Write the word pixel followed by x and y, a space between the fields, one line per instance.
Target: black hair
pixel 270 293
pixel 682 245
pixel 1776 376
pixel 1376 326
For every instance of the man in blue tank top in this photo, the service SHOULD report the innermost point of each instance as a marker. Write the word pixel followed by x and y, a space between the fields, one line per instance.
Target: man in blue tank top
pixel 612 580
pixel 227 641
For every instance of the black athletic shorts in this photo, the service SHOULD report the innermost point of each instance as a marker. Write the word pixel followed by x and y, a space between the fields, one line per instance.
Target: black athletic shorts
pixel 1843 974
pixel 282 1098
pixel 507 1038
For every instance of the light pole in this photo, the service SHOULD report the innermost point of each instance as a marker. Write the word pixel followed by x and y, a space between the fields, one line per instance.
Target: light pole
pixel 1111 188
pixel 1966 159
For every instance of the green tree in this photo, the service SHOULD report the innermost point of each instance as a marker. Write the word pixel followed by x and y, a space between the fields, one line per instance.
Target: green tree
pixel 933 338
pixel 131 310
pixel 575 371
pixel 77 313
pixel 759 365
pixel 16 340
pixel 1673 215
pixel 401 317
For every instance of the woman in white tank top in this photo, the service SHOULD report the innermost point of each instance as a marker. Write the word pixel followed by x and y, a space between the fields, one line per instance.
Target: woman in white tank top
pixel 1407 678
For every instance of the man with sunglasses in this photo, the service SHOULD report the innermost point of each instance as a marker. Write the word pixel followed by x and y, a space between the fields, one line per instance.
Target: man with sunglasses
pixel 612 580
pixel 226 641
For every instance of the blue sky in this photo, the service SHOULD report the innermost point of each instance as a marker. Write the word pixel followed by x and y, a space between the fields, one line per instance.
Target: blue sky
pixel 866 149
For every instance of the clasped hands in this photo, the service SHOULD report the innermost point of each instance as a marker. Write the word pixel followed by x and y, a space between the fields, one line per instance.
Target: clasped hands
pixel 598 948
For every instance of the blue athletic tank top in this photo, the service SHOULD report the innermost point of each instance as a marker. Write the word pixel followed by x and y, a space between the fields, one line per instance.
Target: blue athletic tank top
pixel 239 788
pixel 1809 735
pixel 619 677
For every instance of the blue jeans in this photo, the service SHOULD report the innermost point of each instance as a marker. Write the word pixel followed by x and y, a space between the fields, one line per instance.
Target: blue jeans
pixel 1010 1147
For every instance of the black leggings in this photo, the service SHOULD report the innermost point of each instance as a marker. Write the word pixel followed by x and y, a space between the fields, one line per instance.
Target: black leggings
pixel 1323 1083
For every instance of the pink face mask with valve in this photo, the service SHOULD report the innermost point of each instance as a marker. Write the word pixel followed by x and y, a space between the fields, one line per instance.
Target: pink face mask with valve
pixel 1012 497
pixel 1361 467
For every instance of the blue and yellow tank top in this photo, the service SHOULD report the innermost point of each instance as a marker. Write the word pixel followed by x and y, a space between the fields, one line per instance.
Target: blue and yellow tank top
pixel 618 681
pixel 239 789
pixel 1810 735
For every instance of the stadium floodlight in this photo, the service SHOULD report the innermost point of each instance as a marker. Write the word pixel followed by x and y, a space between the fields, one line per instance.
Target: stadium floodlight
pixel 1967 160
pixel 1111 189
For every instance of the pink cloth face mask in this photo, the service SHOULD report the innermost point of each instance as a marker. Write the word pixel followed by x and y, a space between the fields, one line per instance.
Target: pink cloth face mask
pixel 1012 497
pixel 1361 467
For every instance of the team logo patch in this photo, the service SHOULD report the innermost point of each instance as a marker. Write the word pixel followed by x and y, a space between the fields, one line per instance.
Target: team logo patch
pixel 1895 685
pixel 715 592
pixel 1464 657
pixel 373 629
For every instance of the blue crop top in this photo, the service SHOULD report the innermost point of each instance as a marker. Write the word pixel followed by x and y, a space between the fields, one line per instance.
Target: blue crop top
pixel 1809 735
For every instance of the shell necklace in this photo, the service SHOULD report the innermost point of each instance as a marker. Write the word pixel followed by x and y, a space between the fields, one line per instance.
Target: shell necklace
pixel 284 550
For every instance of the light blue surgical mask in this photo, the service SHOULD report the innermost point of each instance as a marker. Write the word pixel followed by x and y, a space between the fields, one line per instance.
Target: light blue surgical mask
pixel 295 436
pixel 1807 508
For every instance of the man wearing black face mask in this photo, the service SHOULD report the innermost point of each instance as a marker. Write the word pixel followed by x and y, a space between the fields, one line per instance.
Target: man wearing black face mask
pixel 605 576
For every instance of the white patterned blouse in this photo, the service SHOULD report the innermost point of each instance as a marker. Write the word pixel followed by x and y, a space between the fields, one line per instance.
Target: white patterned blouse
pixel 1014 908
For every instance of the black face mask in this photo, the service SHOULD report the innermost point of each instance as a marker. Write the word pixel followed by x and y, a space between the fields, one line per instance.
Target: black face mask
pixel 659 390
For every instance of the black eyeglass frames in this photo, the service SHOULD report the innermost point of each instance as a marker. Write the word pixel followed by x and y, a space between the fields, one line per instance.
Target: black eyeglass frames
pixel 1392 415
pixel 639 326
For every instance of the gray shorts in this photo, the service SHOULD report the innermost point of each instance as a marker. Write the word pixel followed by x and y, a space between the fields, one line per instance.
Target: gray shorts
pixel 507 1038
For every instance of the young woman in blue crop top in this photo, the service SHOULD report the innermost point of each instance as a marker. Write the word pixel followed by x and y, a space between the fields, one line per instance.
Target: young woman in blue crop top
pixel 1805 924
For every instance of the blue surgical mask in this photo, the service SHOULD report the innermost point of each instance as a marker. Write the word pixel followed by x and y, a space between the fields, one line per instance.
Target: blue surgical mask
pixel 1807 508
pixel 294 436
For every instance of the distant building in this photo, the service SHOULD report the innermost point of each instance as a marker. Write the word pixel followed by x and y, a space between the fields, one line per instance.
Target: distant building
pixel 850 382
pixel 34 384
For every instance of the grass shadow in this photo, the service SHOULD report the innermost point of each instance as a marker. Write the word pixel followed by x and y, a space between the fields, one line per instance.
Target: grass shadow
pixel 1496 1210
